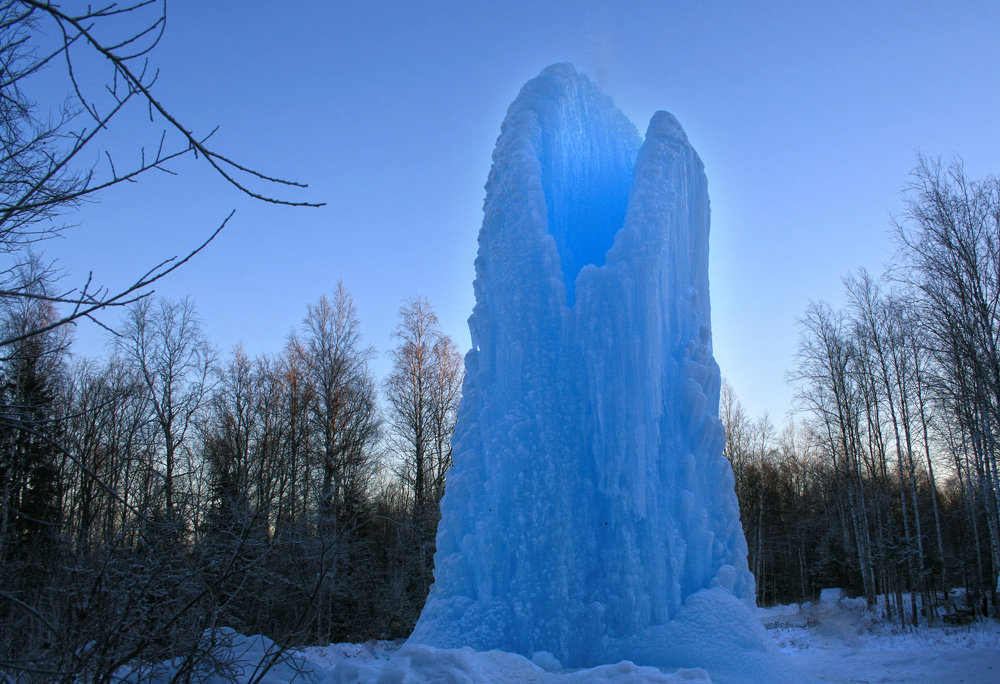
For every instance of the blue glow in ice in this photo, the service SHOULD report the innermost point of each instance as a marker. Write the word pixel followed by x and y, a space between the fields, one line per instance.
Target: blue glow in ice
pixel 590 513
pixel 586 167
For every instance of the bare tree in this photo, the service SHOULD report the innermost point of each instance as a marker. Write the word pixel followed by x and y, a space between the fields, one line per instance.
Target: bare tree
pixel 164 342
pixel 45 167
pixel 446 392
pixel 949 240
pixel 829 388
pixel 343 405
pixel 98 442
pixel 422 392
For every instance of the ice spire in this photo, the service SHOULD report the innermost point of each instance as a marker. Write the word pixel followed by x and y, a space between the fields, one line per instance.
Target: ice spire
pixel 590 512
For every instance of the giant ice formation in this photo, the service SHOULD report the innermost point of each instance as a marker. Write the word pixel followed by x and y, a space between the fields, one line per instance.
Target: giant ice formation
pixel 590 513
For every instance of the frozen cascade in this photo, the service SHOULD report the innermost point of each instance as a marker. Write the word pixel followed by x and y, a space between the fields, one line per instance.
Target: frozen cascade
pixel 590 513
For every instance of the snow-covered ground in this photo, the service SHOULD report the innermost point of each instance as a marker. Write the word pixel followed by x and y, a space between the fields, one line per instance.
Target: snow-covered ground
pixel 833 642
pixel 842 642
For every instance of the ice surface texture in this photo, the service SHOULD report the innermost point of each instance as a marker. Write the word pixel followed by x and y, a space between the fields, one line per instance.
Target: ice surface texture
pixel 590 512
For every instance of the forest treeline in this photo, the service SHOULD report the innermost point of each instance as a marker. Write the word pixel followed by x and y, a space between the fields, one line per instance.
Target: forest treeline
pixel 888 482
pixel 164 491
pixel 151 496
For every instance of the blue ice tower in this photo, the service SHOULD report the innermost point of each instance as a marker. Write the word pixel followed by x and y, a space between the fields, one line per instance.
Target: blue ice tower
pixel 590 512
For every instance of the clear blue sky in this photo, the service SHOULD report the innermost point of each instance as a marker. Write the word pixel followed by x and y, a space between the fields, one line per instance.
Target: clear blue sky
pixel 808 117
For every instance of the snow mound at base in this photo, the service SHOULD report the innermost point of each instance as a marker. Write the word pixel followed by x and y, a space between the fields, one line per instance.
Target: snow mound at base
pixel 717 630
pixel 224 656
pixel 416 664
pixel 713 627
pixel 240 658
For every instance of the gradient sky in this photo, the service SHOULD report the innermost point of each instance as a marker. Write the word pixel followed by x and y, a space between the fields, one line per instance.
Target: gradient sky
pixel 807 115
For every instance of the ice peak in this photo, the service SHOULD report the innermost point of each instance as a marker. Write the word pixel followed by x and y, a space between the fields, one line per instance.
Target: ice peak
pixel 666 124
pixel 564 70
pixel 585 150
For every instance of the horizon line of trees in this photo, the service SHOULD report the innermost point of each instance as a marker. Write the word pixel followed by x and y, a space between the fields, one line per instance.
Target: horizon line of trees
pixel 152 496
pixel 164 491
pixel 889 485
pixel 140 503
